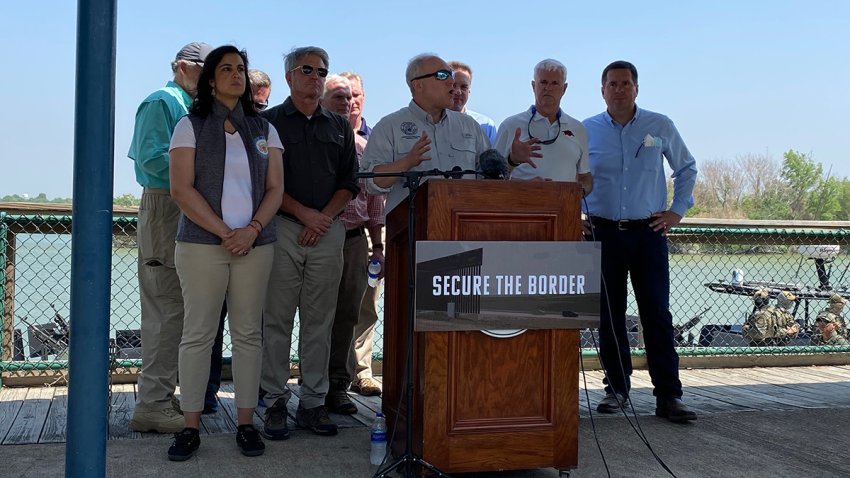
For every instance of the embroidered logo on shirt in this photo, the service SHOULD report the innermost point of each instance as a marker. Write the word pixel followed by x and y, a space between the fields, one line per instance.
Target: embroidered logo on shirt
pixel 408 128
pixel 568 133
pixel 262 146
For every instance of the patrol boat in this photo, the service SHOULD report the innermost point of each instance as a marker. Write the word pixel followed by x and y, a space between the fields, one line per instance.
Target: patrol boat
pixel 823 257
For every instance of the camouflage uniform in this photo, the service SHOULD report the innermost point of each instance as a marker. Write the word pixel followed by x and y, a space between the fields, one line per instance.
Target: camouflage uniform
pixel 768 326
pixel 832 315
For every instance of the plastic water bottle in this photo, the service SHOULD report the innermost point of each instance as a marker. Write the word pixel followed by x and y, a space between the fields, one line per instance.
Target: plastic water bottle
pixel 374 271
pixel 379 440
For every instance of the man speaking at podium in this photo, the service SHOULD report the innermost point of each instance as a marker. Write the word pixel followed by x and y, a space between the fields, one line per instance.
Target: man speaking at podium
pixel 424 135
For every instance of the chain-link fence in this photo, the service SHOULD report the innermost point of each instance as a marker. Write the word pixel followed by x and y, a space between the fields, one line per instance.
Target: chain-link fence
pixel 714 269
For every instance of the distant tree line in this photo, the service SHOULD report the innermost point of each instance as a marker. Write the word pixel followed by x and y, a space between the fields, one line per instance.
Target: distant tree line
pixel 123 200
pixel 747 187
pixel 758 187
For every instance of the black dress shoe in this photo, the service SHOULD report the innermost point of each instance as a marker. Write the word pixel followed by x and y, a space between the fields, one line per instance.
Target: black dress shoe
pixel 674 409
pixel 613 403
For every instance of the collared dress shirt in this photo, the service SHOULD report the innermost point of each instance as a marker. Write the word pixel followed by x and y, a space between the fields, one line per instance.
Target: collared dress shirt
pixel 627 163
pixel 456 140
pixel 562 160
pixel 318 157
pixel 156 118
pixel 488 126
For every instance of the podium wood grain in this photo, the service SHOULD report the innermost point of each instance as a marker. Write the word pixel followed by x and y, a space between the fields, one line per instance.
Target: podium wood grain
pixel 482 403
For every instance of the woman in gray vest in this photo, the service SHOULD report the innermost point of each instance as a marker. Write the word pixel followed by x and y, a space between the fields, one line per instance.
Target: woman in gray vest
pixel 227 179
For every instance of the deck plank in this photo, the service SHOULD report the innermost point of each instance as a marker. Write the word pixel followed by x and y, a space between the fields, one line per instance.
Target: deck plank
pixel 57 418
pixel 11 401
pixel 729 380
pixel 31 417
pixel 123 403
pixel 219 422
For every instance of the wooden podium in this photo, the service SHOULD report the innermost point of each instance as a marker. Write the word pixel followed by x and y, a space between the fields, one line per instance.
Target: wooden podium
pixel 482 403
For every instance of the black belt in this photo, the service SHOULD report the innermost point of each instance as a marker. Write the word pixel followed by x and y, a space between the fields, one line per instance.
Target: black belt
pixel 623 225
pixel 356 232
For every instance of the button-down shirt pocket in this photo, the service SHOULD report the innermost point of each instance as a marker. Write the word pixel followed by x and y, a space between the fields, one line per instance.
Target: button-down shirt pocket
pixel 403 145
pixel 649 158
pixel 463 153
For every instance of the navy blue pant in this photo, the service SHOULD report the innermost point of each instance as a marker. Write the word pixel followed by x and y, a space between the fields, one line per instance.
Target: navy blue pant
pixel 214 382
pixel 640 253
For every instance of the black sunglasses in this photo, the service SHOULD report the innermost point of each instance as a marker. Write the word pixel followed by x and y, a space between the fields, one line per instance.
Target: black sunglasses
pixel 440 75
pixel 261 106
pixel 548 141
pixel 308 70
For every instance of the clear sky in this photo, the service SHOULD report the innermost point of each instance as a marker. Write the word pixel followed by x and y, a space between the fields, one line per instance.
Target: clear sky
pixel 736 77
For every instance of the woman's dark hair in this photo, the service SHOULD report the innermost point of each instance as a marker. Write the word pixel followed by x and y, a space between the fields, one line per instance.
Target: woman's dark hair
pixel 202 106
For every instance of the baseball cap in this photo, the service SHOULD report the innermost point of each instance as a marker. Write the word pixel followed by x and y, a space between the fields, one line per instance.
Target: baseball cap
pixel 827 318
pixel 836 299
pixel 761 293
pixel 195 51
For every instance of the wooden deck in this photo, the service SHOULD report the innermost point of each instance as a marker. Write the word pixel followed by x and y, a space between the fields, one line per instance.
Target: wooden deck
pixel 38 415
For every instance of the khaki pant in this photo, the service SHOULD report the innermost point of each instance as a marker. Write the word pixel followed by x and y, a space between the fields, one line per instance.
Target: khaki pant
pixel 306 278
pixel 360 358
pixel 161 299
pixel 208 273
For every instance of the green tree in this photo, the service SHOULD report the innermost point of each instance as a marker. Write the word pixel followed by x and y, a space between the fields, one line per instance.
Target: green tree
pixel 126 200
pixel 803 176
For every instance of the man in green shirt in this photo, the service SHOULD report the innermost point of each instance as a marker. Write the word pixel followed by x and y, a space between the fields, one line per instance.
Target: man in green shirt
pixel 159 287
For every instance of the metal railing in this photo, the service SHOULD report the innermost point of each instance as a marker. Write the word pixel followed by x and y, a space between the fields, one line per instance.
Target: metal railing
pixel 708 306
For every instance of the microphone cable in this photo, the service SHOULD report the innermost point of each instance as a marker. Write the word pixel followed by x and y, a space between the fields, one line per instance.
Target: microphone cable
pixel 636 425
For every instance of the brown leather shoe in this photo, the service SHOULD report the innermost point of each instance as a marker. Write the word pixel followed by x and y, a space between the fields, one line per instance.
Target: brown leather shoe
pixel 674 409
pixel 366 387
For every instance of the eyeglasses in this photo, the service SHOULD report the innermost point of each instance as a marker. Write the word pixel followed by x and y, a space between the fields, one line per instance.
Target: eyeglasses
pixel 308 70
pixel 548 141
pixel 440 75
pixel 261 106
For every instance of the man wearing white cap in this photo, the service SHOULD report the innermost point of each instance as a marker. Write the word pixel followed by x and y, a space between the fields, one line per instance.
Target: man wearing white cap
pixel 159 287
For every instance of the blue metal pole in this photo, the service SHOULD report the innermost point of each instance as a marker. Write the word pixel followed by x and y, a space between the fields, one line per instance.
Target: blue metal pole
pixel 91 239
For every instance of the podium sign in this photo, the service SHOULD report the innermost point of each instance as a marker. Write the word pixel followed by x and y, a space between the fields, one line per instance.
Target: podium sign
pixel 482 285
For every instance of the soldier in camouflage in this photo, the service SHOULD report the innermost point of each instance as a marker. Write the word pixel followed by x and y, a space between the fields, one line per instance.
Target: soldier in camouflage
pixel 833 314
pixel 771 325
pixel 828 332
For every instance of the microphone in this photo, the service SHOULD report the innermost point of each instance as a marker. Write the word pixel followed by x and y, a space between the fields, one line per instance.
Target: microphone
pixel 455 173
pixel 493 165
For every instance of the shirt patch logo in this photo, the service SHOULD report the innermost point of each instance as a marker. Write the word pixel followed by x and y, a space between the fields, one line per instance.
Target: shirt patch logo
pixel 262 146
pixel 408 128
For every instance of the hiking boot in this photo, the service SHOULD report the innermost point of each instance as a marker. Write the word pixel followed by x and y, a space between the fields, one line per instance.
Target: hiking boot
pixel 249 441
pixel 275 427
pixel 366 387
pixel 674 409
pixel 612 403
pixel 185 444
pixel 316 419
pixel 167 420
pixel 337 400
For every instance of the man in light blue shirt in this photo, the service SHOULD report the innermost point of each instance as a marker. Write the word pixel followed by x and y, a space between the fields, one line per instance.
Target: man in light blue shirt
pixel 628 213
pixel 160 295
pixel 460 96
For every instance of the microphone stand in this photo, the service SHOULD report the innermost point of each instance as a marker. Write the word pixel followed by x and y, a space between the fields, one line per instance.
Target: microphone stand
pixel 406 463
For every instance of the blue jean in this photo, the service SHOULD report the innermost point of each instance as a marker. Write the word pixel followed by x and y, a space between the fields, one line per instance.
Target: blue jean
pixel 641 254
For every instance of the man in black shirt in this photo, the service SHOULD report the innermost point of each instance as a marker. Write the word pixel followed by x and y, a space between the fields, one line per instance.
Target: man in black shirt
pixel 319 180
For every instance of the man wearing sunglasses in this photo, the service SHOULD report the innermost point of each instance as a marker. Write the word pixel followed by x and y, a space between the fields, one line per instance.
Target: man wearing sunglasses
pixel 159 287
pixel 319 166
pixel 543 142
pixel 424 135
